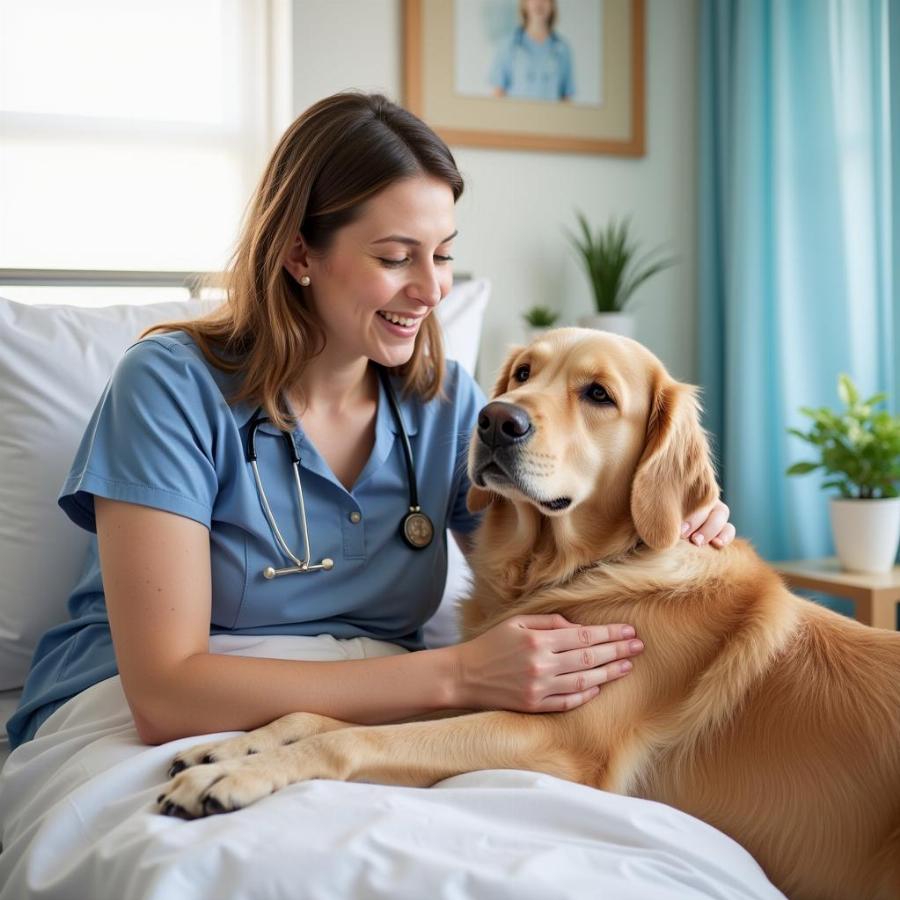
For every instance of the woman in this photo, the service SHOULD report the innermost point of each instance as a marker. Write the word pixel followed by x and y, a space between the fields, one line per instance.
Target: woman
pixel 345 253
pixel 534 62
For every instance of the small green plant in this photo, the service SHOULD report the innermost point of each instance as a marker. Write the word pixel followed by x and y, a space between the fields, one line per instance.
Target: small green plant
pixel 610 259
pixel 859 445
pixel 540 316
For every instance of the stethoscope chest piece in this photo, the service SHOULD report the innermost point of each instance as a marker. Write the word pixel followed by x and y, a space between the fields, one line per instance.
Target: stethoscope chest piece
pixel 417 529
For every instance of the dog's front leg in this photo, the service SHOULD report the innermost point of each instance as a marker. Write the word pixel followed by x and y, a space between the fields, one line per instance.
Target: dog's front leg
pixel 288 729
pixel 416 754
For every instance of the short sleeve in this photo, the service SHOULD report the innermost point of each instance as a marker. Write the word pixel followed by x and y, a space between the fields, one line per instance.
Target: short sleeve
pixel 469 399
pixel 150 438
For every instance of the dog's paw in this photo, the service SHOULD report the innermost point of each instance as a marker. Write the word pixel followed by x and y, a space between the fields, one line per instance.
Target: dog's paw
pixel 182 796
pixel 215 752
pixel 212 789
pixel 289 729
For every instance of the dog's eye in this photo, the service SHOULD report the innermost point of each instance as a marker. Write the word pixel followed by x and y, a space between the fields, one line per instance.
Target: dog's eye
pixel 596 393
pixel 521 374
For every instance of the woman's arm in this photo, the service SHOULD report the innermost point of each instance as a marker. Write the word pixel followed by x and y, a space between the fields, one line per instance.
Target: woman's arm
pixel 156 575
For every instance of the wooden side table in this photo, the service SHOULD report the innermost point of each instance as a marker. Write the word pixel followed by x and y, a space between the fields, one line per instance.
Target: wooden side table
pixel 875 597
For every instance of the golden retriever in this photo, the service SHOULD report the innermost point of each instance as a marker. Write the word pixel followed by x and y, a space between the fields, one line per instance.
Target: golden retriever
pixel 767 716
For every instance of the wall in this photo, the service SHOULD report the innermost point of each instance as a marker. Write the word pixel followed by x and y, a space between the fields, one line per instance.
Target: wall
pixel 516 204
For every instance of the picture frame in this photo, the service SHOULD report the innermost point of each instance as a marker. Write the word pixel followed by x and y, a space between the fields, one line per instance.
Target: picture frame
pixel 451 82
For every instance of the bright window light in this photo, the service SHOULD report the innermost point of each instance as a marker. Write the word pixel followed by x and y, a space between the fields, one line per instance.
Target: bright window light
pixel 164 60
pixel 131 133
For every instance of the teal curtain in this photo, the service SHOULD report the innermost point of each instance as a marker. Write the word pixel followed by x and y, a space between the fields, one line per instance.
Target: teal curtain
pixel 799 229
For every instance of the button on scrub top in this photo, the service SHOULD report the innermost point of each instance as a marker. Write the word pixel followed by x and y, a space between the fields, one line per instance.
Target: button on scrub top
pixel 164 435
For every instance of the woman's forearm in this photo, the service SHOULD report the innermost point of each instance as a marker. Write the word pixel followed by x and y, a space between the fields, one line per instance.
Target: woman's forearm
pixel 208 692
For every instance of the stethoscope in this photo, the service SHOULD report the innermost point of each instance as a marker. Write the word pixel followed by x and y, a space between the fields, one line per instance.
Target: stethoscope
pixel 417 529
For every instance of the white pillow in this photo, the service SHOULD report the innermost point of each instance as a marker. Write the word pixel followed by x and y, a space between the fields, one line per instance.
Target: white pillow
pixel 461 314
pixel 54 364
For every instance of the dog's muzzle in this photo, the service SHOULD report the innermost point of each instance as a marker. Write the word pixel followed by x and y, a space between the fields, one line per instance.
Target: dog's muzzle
pixel 502 430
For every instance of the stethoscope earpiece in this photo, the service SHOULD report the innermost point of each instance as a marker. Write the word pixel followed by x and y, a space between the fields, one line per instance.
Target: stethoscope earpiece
pixel 416 528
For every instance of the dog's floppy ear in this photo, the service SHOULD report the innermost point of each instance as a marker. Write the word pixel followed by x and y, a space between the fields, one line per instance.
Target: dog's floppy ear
pixel 675 475
pixel 505 372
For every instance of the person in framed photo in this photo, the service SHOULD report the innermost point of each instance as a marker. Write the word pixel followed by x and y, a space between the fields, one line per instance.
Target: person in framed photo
pixel 534 62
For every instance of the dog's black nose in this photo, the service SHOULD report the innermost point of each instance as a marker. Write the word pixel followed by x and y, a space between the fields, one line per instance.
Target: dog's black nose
pixel 502 423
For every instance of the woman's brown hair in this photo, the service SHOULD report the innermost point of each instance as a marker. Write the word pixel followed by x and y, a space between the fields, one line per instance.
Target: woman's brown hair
pixel 336 156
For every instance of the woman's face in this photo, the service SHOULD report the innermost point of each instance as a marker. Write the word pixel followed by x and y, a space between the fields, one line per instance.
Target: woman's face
pixel 384 273
pixel 537 11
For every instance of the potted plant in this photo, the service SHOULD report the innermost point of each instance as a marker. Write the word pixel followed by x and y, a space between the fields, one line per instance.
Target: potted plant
pixel 539 319
pixel 859 450
pixel 615 272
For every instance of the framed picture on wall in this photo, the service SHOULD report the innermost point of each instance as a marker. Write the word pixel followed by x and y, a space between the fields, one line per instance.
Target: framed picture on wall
pixel 564 75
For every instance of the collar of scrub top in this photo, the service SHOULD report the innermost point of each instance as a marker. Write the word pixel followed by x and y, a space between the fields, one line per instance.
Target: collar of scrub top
pixel 385 423
pixel 385 430
pixel 521 34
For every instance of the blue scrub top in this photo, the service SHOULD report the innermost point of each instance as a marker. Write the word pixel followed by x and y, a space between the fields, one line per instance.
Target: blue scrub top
pixel 164 435
pixel 530 70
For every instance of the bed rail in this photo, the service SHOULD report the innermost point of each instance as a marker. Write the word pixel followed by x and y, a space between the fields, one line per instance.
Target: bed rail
pixel 192 281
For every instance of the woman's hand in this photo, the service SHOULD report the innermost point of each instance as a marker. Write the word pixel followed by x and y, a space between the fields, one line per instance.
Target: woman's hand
pixel 541 663
pixel 709 525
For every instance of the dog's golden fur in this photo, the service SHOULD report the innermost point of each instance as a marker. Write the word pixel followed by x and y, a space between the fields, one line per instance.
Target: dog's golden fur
pixel 773 719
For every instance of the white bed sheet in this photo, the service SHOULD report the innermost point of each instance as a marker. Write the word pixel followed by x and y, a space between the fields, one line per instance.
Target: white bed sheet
pixel 76 820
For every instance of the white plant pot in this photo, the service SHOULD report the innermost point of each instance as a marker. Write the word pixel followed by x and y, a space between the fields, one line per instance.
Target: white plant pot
pixel 616 322
pixel 866 533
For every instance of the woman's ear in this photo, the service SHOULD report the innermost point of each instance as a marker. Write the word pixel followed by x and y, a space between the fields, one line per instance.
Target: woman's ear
pixel 675 475
pixel 296 259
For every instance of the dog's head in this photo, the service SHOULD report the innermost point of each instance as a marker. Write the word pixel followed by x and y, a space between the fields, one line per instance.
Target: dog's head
pixel 585 422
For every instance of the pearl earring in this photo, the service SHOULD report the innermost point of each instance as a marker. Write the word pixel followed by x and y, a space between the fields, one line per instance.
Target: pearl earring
pixel 304 280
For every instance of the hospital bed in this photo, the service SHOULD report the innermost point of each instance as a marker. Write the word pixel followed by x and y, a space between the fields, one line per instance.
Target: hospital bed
pixel 76 803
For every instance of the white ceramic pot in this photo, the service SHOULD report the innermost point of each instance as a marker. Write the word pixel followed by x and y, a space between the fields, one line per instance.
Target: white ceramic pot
pixel 616 322
pixel 866 533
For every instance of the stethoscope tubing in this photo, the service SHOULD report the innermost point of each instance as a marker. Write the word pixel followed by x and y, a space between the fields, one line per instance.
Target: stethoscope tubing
pixel 416 527
pixel 300 565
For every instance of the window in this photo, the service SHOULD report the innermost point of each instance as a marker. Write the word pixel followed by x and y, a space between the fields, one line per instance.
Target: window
pixel 132 133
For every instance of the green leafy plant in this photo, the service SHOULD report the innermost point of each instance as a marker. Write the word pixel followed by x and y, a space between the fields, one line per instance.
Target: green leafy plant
pixel 860 445
pixel 540 316
pixel 610 258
